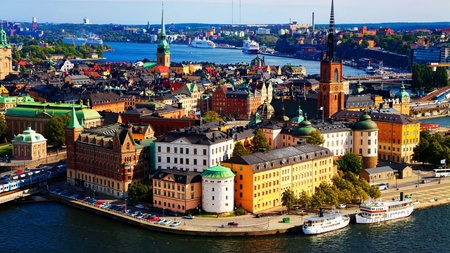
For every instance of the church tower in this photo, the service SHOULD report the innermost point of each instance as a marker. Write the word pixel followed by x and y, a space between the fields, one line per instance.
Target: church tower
pixel 5 55
pixel 163 49
pixel 73 130
pixel 331 94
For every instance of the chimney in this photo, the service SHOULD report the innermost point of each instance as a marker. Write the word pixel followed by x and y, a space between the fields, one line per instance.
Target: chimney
pixel 213 137
pixel 180 105
pixel 401 196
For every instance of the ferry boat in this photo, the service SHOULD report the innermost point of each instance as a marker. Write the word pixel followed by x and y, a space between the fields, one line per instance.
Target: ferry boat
pixel 379 211
pixel 250 47
pixel 323 223
pixel 203 43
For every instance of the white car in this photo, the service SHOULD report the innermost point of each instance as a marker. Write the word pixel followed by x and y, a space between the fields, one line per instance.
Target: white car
pixel 166 222
pixel 176 224
pixel 342 206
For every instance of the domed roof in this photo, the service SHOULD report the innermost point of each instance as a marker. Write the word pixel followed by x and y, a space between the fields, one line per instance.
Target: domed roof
pixel 303 129
pixel 300 117
pixel 217 172
pixel 365 123
pixel 29 136
pixel 358 89
pixel 266 110
pixel 402 92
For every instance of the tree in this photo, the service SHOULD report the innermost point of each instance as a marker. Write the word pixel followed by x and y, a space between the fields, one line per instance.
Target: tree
pixel 350 162
pixel 259 141
pixel 288 199
pixel 315 138
pixel 211 116
pixel 374 192
pixel 304 199
pixel 140 193
pixel 239 150
pixel 3 127
pixel 54 130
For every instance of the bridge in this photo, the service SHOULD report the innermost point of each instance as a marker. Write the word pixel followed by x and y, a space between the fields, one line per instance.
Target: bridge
pixel 18 194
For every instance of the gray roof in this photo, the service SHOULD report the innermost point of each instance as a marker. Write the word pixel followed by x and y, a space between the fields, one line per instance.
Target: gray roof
pixel 182 177
pixel 379 170
pixel 196 135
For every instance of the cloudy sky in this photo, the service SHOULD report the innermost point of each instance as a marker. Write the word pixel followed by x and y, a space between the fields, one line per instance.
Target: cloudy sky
pixel 224 11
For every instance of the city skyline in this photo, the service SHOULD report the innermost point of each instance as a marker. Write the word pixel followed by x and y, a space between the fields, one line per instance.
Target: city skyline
pixel 139 12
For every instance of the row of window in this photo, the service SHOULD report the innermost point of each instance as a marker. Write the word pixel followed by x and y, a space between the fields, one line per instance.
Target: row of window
pixel 97 181
pixel 168 205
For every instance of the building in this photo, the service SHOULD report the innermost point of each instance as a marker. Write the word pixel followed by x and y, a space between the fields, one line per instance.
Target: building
pixel 218 190
pixel 106 159
pixel 176 190
pixel 105 102
pixel 163 48
pixel 331 88
pixel 29 145
pixel 376 175
pixel 37 114
pixel 193 149
pixel 239 104
pixel 5 55
pixel 261 178
pixel 398 135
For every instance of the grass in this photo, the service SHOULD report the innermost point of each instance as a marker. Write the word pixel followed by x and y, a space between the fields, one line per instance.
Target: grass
pixel 6 149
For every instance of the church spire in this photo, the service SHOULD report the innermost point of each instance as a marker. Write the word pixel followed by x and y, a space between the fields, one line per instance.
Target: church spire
pixel 163 26
pixel 73 123
pixel 331 36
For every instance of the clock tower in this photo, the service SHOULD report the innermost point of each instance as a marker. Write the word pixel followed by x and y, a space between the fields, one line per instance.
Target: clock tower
pixel 331 95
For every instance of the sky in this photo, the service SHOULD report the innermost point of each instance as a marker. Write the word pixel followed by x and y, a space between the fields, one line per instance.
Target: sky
pixel 139 12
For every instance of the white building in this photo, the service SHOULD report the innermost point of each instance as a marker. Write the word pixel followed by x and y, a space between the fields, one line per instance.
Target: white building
pixel 193 149
pixel 218 189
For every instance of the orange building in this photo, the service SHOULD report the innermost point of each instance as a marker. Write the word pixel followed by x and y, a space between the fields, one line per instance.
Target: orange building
pixel 261 178
pixel 176 190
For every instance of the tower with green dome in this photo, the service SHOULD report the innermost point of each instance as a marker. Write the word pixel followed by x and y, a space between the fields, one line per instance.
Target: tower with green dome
pixel 365 140
pixel 5 55
pixel 403 96
pixel 163 49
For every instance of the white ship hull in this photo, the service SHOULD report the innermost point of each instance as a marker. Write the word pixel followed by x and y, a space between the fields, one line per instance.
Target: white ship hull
pixel 374 212
pixel 327 223
pixel 203 44
pixel 366 219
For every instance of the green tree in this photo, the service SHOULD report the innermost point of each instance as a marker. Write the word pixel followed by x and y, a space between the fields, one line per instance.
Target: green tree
pixel 304 199
pixel 54 130
pixel 350 162
pixel 239 150
pixel 374 192
pixel 3 128
pixel 259 141
pixel 211 116
pixel 288 199
pixel 315 138
pixel 140 193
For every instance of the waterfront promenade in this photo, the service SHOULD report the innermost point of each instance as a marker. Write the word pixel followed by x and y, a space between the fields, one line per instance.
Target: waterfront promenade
pixel 436 192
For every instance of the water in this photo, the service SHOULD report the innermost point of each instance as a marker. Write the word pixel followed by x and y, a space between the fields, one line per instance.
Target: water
pixel 443 121
pixel 53 227
pixel 131 52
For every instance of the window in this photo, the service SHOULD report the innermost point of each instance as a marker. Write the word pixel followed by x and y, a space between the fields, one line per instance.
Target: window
pixel 213 189
pixel 168 149
pixel 204 151
pixel 360 151
pixel 159 159
pixel 159 149
pixel 168 159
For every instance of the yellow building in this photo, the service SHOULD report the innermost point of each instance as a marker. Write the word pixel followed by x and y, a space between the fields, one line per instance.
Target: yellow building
pixel 5 55
pixel 261 178
pixel 397 134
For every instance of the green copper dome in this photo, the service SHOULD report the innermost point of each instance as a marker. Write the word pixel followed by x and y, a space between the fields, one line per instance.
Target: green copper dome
pixel 365 123
pixel 29 136
pixel 218 172
pixel 402 93
pixel 304 129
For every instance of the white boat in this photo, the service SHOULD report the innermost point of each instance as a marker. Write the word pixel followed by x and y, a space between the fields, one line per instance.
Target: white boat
pixel 250 47
pixel 323 223
pixel 94 40
pixel 370 70
pixel 379 211
pixel 203 43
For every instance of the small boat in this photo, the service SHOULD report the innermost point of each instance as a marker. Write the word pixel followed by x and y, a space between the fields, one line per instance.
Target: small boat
pixel 380 211
pixel 323 223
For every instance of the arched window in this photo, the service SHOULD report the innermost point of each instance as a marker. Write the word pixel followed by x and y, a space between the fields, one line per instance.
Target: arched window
pixel 336 75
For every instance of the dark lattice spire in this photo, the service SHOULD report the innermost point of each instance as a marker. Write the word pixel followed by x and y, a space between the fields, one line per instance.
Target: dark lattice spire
pixel 331 36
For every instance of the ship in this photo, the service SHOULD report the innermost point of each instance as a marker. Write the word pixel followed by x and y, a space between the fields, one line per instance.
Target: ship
pixel 250 47
pixel 323 223
pixel 203 43
pixel 379 211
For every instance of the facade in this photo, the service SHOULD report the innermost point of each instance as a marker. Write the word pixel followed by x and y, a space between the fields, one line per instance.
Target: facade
pixel 189 96
pixel 5 55
pixel 106 102
pixel 331 88
pixel 378 174
pixel 107 159
pixel 177 191
pixel 239 104
pixel 29 145
pixel 218 189
pixel 366 137
pixel 261 178
pixel 7 102
pixel 192 149
pixel 37 114
pixel 398 135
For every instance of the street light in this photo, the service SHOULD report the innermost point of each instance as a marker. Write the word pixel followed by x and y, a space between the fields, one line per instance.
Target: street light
pixel 396 180
pixel 125 205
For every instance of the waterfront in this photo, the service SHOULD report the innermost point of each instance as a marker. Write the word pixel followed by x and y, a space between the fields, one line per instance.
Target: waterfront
pixel 131 52
pixel 52 227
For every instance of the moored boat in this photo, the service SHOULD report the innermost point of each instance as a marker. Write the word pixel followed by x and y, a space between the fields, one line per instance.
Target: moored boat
pixel 323 223
pixel 203 43
pixel 380 211
pixel 250 47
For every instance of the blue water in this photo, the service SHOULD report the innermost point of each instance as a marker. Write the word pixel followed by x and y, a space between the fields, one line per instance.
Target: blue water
pixel 132 52
pixel 52 227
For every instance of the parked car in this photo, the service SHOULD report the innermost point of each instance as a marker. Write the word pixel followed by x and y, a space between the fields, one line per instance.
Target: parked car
pixel 153 218
pixel 232 223
pixel 166 222
pixel 188 217
pixel 342 206
pixel 259 215
pixel 160 221
pixel 176 224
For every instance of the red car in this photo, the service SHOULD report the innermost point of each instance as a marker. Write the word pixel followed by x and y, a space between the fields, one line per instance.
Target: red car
pixel 232 223
pixel 154 218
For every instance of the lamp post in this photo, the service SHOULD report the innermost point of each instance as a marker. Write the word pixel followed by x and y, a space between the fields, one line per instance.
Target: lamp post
pixel 125 205
pixel 163 212
pixel 396 180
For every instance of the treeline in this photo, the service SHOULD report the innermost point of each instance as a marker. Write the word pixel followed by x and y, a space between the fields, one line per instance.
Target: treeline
pixel 425 79
pixel 432 148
